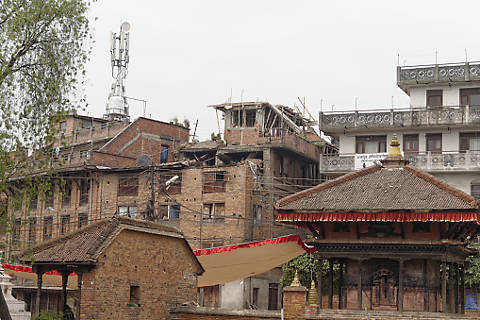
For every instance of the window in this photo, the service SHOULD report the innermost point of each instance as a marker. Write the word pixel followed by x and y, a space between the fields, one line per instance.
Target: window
pixel 33 200
pixel 63 126
pixel 164 154
pixel 213 211
pixel 341 227
pixel 250 117
pixel 134 296
pixel 127 211
pixel 84 154
pixel 82 220
pixel 470 97
pixel 475 190
pixel 174 212
pixel 174 187
pixel 47 227
pixel 213 182
pixel 67 194
pixel 421 227
pixel 255 296
pixel 470 141
pixel 434 98
pixel 84 191
pixel 257 214
pixel 273 296
pixel 371 144
pixel 64 224
pixel 434 142
pixel 49 198
pixel 410 143
pixel 128 186
pixel 17 227
pixel 86 124
pixel 32 230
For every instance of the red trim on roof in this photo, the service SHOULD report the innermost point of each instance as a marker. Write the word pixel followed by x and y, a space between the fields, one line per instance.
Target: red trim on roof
pixel 255 244
pixel 382 216
pixel 29 269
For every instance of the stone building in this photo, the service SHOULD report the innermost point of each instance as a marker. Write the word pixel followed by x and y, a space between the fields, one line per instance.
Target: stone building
pixel 126 269
pixel 439 131
pixel 397 234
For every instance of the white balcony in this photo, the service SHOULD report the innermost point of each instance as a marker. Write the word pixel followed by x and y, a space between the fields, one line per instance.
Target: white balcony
pixel 427 161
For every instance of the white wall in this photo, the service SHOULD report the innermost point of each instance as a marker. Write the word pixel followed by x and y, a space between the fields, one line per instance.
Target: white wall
pixel 459 180
pixel 451 95
pixel 231 295
pixel 347 144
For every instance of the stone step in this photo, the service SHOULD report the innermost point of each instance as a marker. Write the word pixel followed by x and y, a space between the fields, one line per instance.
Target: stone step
pixel 389 315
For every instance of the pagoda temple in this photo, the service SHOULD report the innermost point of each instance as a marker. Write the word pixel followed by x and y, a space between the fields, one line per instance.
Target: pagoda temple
pixel 396 236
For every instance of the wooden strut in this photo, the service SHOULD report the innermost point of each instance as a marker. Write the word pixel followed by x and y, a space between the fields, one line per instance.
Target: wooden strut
pixel 312 230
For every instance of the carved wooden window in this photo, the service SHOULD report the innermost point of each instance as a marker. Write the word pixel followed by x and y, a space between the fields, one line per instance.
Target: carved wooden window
pixel 421 227
pixel 128 186
pixel 341 227
pixel 434 98
pixel 371 144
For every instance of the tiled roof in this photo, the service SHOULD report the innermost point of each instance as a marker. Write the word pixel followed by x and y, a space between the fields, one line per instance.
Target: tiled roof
pixel 378 189
pixel 85 245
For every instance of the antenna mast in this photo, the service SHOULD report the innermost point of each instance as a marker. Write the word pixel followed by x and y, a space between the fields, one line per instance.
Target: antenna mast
pixel 117 106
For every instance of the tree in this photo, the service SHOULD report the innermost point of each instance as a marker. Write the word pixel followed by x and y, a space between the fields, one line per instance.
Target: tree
pixel 472 271
pixel 45 45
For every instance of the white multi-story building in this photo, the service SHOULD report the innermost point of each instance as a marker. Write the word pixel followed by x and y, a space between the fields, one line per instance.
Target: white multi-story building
pixel 439 132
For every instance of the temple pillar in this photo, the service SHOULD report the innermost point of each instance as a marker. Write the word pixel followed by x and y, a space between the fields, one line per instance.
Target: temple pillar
pixel 340 284
pixel 451 288
pixel 457 288
pixel 63 298
pixel 79 290
pixel 330 283
pixel 319 282
pixel 39 291
pixel 426 296
pixel 462 289
pixel 359 285
pixel 400 285
pixel 444 286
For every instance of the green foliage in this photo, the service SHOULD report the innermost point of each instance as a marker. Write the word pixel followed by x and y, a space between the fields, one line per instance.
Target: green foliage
pixel 307 267
pixel 215 137
pixel 472 271
pixel 48 315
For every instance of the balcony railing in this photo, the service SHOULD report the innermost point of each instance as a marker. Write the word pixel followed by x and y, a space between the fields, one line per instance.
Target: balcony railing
pixel 427 161
pixel 440 73
pixel 399 118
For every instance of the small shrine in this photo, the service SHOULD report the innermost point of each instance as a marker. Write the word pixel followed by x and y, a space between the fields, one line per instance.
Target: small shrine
pixel 396 234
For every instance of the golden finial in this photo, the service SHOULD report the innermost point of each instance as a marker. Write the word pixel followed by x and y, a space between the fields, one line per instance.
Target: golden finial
pixel 395 147
pixel 295 282
pixel 313 295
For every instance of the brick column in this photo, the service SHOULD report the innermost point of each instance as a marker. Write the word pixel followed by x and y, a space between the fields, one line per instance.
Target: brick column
pixel 294 302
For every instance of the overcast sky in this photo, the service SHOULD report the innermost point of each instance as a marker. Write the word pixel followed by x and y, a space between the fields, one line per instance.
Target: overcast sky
pixel 185 55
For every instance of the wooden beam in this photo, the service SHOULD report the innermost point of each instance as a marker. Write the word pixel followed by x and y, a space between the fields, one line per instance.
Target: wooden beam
pixel 359 285
pixel 322 229
pixel 39 291
pixel 451 288
pixel 319 282
pixel 357 231
pixel 312 230
pixel 462 289
pixel 425 283
pixel 457 288
pixel 340 284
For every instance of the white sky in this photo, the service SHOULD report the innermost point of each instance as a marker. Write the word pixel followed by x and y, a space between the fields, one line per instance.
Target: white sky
pixel 185 55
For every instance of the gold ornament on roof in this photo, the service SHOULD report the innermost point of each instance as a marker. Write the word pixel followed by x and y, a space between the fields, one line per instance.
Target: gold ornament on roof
pixel 395 147
pixel 295 282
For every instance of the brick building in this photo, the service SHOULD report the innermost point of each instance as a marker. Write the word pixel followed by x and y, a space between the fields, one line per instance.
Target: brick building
pixel 125 268
pixel 224 192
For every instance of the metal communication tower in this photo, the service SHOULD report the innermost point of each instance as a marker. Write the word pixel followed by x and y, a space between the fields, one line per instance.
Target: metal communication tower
pixel 117 106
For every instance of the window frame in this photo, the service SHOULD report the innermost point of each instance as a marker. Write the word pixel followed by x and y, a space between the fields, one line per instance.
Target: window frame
pixel 82 220
pixel 361 141
pixel 32 230
pixel 47 231
pixel 64 227
pixel 464 95
pixel 129 211
pixel 84 192
pixel 164 153
pixel 433 137
pixel 475 190
pixel 431 94
pixel 464 140
pixel 214 181
pixel 211 214
pixel 409 138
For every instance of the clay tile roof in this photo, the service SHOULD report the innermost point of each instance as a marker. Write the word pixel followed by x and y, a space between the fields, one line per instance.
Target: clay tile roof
pixel 378 189
pixel 85 245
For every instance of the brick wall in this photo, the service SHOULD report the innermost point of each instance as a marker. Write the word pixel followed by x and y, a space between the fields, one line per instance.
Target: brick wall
pixel 162 267
pixel 187 313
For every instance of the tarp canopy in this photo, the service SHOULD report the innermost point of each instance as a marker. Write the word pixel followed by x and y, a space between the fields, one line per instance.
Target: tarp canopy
pixel 235 262
pixel 221 264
